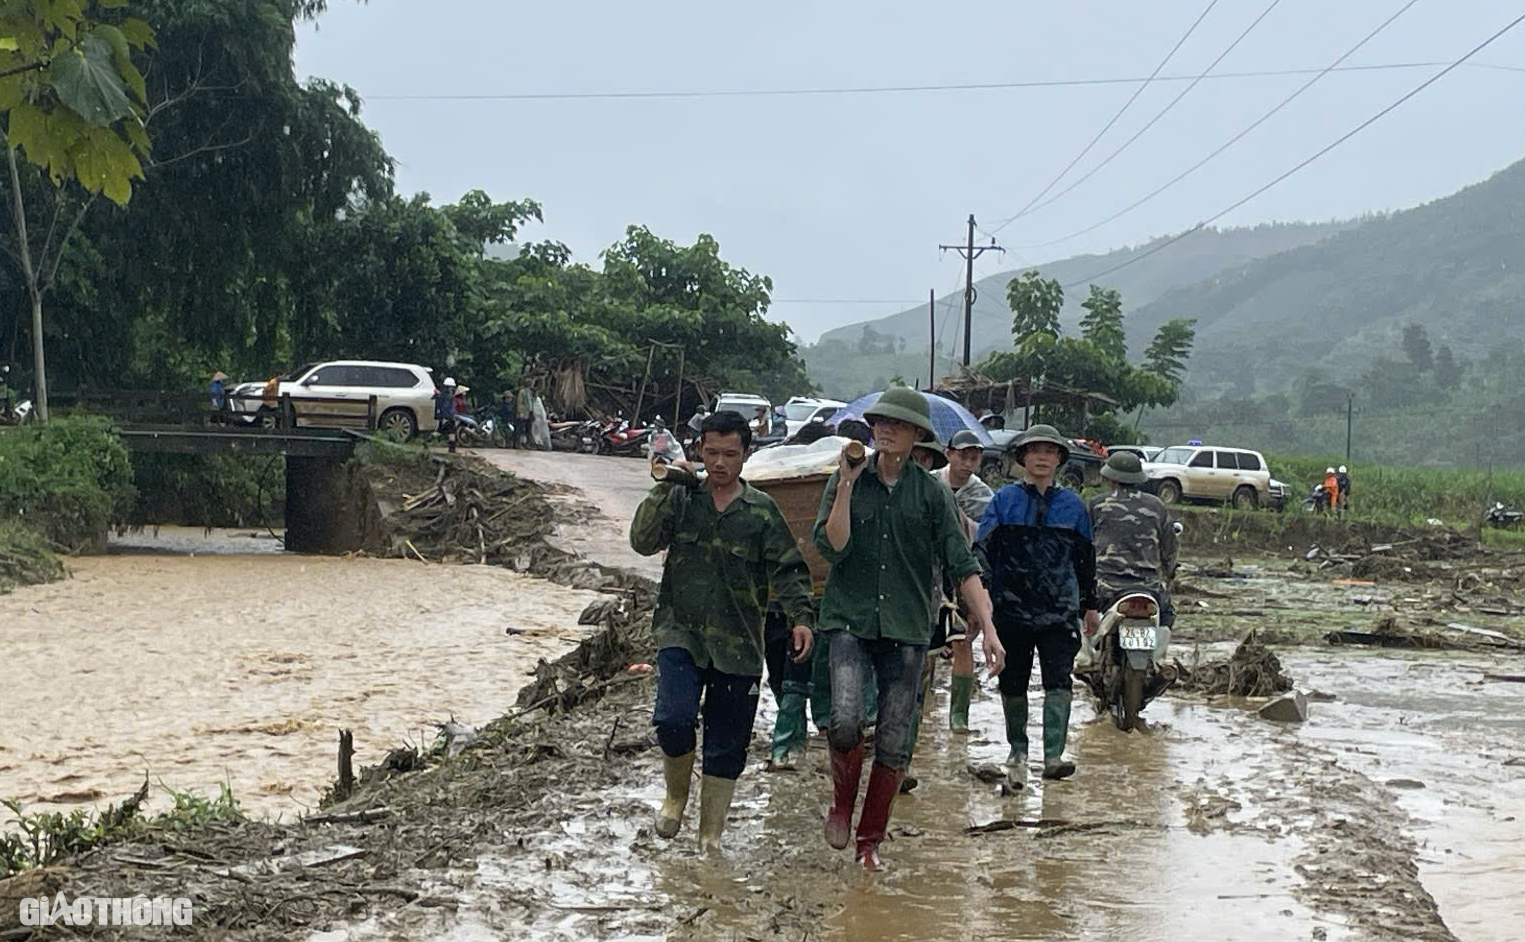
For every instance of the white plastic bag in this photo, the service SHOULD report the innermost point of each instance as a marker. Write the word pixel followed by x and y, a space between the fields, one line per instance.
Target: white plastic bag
pixel 540 429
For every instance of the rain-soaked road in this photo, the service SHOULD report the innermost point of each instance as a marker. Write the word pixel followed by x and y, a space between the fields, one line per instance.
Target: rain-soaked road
pixel 1218 825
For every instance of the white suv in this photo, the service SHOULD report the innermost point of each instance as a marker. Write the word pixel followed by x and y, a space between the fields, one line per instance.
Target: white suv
pixel 1209 472
pixel 800 411
pixel 404 396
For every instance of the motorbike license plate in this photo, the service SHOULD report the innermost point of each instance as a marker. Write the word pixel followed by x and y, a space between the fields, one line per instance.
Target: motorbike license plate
pixel 1136 637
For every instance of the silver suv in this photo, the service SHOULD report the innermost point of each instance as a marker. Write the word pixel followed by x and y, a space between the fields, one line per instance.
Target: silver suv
pixel 404 396
pixel 1210 472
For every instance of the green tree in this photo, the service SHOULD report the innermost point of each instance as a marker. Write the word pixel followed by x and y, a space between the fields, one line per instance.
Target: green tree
pixel 1035 301
pixel 74 106
pixel 1167 353
pixel 1416 346
pixel 1102 324
pixel 1448 371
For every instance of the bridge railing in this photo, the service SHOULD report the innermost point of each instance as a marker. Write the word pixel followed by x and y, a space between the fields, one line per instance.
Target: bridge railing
pixel 252 411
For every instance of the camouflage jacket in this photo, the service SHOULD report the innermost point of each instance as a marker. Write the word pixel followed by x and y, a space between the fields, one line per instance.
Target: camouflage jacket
pixel 718 571
pixel 972 498
pixel 1135 543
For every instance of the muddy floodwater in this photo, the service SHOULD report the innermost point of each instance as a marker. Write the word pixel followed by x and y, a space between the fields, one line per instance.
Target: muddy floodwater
pixel 208 658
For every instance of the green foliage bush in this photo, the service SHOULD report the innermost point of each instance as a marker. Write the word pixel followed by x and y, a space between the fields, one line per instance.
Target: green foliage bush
pixel 66 481
pixel 208 490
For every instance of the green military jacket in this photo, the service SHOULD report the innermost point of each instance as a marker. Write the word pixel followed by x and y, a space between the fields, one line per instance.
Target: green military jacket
pixel 881 583
pixel 1135 543
pixel 718 571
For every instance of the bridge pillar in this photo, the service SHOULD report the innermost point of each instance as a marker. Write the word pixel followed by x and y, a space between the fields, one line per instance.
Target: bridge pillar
pixel 329 507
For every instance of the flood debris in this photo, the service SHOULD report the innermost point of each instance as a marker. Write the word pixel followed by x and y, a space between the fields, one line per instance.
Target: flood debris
pixel 1252 671
pixel 1388 632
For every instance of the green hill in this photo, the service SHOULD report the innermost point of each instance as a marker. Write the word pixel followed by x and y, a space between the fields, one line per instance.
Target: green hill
pixel 848 360
pixel 1455 265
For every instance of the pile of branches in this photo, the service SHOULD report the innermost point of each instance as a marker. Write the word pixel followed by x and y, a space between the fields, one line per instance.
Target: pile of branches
pixel 472 513
pixel 1253 671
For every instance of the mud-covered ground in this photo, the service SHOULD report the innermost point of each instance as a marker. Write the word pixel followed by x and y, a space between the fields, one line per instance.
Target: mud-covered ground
pixel 1393 813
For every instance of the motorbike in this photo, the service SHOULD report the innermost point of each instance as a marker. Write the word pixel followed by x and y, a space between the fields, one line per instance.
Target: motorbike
pixel 625 439
pixel 1127 668
pixel 664 445
pixel 469 433
pixel 1317 500
pixel 19 415
pixel 576 436
pixel 1502 517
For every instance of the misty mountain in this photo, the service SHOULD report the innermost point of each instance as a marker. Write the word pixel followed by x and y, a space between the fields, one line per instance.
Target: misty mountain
pixel 1195 258
pixel 1455 265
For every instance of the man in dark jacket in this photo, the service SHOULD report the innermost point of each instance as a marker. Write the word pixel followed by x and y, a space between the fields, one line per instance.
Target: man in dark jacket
pixel 1034 547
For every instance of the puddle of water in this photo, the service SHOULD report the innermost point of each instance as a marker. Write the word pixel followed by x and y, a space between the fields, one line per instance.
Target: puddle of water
pixel 1424 717
pixel 242 667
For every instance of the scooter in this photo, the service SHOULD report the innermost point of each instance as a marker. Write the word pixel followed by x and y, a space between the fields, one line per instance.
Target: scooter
pixel 1502 517
pixel 576 436
pixel 1317 500
pixel 664 445
pixel 625 440
pixel 1127 666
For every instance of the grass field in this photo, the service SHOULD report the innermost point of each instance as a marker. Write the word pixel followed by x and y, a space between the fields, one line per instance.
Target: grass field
pixel 1409 495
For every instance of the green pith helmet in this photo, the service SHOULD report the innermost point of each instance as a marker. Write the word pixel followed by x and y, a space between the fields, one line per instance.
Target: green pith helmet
pixel 934 448
pixel 905 404
pixel 1035 434
pixel 1124 468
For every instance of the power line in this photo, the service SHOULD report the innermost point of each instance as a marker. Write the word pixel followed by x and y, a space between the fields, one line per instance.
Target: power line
pixel 902 89
pixel 1108 126
pixel 1163 111
pixel 843 301
pixel 1233 140
pixel 1316 155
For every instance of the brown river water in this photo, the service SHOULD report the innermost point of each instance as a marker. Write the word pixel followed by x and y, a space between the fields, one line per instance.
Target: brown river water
pixel 202 659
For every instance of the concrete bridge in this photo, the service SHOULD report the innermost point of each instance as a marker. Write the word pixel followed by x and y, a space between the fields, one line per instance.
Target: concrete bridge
pixel 324 511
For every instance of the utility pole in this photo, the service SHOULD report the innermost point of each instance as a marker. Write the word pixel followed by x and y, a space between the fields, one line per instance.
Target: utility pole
pixel 970 253
pixel 1350 408
pixel 931 337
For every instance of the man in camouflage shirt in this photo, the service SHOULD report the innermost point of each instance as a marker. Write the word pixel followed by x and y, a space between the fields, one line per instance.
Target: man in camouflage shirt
pixel 1135 542
pixel 727 545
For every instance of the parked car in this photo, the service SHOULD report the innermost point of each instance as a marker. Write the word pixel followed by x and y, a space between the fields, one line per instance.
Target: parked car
pixel 1144 452
pixel 404 396
pixel 800 411
pixel 1083 468
pixel 1211 473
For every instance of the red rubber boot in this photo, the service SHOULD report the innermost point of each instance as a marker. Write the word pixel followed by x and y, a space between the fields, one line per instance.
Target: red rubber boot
pixel 846 768
pixel 883 786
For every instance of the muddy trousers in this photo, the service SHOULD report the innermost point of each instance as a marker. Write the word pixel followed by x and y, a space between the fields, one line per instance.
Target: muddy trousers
pixel 729 703
pixel 820 687
pixel 895 669
pixel 1056 648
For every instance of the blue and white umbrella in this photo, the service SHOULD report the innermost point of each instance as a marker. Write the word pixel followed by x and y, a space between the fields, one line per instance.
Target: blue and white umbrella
pixel 948 416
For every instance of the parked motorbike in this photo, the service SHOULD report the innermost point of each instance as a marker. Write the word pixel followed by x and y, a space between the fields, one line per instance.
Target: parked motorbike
pixel 625 440
pixel 1126 667
pixel 1317 500
pixel 576 436
pixel 1502 517
pixel 469 433
pixel 19 415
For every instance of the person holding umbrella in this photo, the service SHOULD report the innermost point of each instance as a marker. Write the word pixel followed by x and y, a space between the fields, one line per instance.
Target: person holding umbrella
pixel 884 523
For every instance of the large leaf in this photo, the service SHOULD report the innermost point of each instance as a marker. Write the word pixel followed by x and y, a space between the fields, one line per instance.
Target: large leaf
pixel 88 83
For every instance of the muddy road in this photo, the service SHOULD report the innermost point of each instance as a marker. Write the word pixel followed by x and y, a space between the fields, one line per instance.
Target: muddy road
pixel 201 659
pixel 1395 813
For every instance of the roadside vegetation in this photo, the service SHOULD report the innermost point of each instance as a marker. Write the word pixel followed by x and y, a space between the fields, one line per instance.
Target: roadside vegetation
pixel 1406 496
pixel 65 481
pixel 37 839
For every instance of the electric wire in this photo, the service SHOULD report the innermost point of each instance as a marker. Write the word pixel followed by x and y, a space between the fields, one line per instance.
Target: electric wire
pixel 1315 156
pixel 1163 111
pixel 1231 141
pixel 1108 126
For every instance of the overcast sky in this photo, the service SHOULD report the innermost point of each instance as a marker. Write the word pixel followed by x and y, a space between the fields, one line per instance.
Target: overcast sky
pixel 846 196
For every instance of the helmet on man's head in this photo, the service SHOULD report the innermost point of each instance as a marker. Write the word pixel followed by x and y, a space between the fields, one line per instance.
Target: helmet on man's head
pixel 934 448
pixel 1329 470
pixel 1342 469
pixel 1035 434
pixel 905 404
pixel 1124 468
